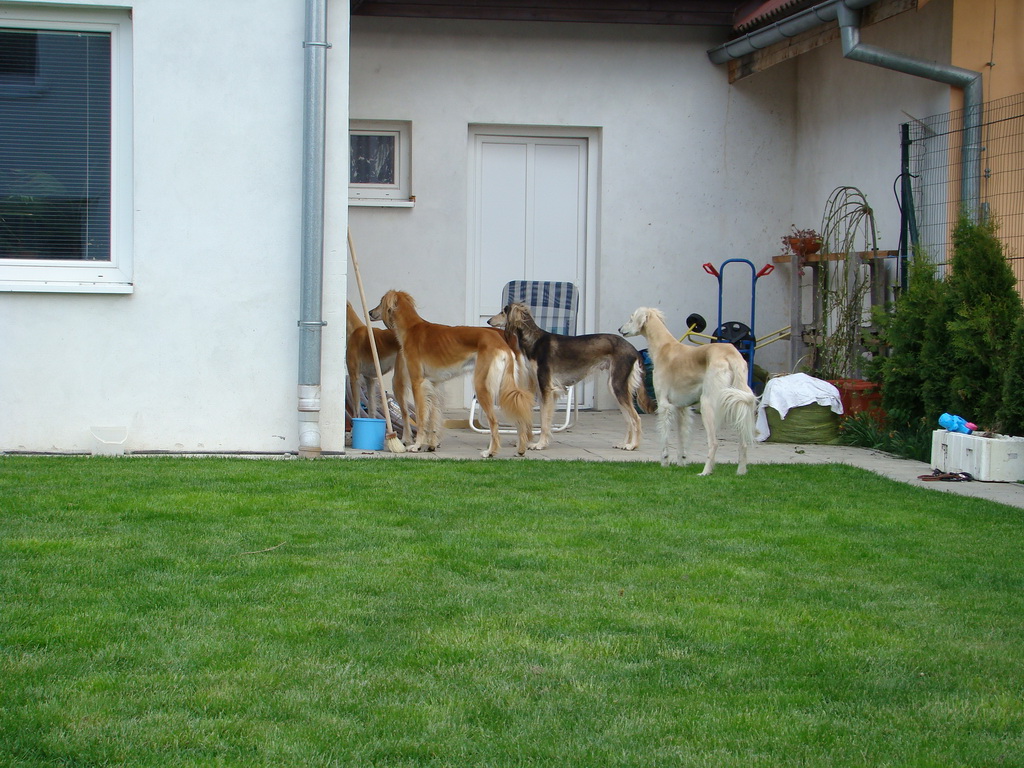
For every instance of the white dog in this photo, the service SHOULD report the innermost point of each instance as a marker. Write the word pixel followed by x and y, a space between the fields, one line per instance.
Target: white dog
pixel 715 375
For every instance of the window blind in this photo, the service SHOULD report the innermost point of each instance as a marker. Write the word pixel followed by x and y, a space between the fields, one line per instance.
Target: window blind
pixel 55 144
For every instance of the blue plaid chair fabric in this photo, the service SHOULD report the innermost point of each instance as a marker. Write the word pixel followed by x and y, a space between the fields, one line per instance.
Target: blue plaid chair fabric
pixel 554 305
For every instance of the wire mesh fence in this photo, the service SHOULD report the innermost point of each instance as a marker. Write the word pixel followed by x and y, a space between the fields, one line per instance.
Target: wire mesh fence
pixel 935 153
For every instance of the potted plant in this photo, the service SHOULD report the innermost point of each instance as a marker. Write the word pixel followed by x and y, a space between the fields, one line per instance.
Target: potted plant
pixel 802 242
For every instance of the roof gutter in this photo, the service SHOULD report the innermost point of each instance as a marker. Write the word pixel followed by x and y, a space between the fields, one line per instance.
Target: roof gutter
pixel 311 321
pixel 791 26
pixel 847 13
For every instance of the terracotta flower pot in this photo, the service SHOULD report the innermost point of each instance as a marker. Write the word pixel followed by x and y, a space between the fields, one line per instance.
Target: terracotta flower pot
pixel 804 246
pixel 860 396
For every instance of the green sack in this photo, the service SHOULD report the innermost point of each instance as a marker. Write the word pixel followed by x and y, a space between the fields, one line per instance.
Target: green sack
pixel 806 424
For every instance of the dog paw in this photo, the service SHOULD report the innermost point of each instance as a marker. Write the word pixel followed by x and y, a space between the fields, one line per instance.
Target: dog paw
pixel 626 447
pixel 538 446
pixel 486 454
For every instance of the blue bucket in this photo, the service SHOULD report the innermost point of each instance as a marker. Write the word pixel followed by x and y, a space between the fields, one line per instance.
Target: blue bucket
pixel 368 434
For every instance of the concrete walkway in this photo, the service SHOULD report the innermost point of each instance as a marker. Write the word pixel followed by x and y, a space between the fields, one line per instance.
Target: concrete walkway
pixel 595 432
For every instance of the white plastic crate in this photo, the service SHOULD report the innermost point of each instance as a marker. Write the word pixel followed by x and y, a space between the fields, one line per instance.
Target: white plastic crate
pixel 999 458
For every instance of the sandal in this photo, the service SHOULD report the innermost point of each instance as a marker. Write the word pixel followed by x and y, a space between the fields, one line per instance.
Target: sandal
pixel 952 477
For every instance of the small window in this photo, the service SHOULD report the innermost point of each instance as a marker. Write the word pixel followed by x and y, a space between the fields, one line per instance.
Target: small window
pixel 379 163
pixel 65 151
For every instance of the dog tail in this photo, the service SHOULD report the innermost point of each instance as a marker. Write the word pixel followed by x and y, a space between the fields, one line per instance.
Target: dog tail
pixel 354 321
pixel 738 409
pixel 516 402
pixel 638 387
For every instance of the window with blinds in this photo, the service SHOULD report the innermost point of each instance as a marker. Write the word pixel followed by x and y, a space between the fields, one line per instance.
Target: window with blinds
pixel 65 149
pixel 55 109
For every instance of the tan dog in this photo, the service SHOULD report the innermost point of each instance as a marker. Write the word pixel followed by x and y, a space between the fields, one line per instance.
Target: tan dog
pixel 434 353
pixel 715 375
pixel 361 371
pixel 563 361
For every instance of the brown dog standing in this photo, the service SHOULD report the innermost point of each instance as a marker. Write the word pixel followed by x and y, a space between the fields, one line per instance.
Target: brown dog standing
pixel 435 353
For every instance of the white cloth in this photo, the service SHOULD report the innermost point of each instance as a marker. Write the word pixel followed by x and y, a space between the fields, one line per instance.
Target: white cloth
pixel 793 391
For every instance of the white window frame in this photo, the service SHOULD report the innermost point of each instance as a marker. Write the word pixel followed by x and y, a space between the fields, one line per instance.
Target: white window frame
pixel 73 276
pixel 399 194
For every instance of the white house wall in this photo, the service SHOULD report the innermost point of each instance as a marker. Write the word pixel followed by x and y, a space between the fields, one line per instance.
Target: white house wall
pixel 691 170
pixel 203 355
pixel 849 115
pixel 848 123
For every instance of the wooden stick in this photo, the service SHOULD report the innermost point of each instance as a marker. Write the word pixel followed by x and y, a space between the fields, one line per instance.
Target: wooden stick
pixel 393 443
pixel 261 551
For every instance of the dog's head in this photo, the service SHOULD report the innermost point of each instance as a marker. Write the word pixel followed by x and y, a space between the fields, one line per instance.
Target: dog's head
pixel 511 317
pixel 388 307
pixel 499 320
pixel 637 323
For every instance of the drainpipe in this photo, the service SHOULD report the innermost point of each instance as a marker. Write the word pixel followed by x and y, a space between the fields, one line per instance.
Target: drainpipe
pixel 968 80
pixel 848 16
pixel 311 279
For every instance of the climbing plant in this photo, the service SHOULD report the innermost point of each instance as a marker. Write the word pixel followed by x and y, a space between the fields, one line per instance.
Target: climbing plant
pixel 847 228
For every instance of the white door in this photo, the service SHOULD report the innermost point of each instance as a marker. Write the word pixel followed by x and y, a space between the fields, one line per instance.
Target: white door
pixel 531 217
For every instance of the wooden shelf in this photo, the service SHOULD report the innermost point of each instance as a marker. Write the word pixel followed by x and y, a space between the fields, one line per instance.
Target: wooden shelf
pixel 817 258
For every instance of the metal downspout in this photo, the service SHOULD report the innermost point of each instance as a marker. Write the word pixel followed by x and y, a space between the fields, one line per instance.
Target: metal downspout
pixel 848 16
pixel 311 279
pixel 968 80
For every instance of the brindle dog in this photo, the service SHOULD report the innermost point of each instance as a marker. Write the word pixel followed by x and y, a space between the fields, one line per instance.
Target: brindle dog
pixel 562 361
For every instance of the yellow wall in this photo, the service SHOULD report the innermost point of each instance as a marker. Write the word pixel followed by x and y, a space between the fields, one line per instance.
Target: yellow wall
pixel 987 37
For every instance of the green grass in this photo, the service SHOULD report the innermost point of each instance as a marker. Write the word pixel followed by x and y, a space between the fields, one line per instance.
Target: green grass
pixel 158 612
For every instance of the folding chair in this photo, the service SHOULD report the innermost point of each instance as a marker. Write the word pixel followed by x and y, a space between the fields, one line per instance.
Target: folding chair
pixel 554 306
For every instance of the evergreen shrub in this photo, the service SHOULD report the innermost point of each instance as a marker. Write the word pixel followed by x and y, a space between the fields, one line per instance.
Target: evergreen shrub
pixel 986 309
pixel 954 345
pixel 915 372
pixel 1011 412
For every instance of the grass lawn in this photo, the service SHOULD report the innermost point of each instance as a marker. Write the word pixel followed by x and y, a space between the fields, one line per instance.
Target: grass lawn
pixel 176 612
